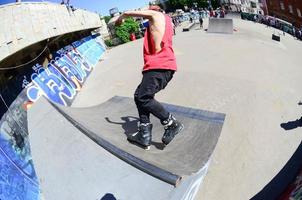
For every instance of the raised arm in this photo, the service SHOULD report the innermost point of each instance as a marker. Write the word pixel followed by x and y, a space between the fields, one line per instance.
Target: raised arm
pixel 147 14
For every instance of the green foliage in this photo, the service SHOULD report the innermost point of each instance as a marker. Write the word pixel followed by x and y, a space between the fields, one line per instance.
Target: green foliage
pixel 180 4
pixel 215 4
pixel 109 43
pixel 203 4
pixel 128 27
pixel 177 4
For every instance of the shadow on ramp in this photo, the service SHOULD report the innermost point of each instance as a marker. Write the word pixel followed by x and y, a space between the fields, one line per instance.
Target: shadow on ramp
pixel 128 123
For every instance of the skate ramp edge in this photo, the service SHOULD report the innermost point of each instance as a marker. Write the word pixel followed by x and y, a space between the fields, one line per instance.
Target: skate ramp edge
pixel 109 123
pixel 220 25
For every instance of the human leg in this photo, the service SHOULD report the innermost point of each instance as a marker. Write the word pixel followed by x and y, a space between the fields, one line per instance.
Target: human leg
pixel 152 82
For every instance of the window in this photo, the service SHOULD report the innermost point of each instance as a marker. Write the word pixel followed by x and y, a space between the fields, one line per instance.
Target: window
pixel 282 6
pixel 253 5
pixel 299 12
pixel 290 7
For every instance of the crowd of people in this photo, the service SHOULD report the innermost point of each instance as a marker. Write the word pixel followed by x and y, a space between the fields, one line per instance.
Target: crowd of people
pixel 197 14
pixel 270 21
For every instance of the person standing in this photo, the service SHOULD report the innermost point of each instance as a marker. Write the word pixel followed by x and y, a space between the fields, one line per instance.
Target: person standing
pixel 200 21
pixel 159 68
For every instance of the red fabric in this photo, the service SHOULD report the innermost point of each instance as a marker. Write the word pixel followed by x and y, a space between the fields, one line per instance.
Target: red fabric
pixel 165 59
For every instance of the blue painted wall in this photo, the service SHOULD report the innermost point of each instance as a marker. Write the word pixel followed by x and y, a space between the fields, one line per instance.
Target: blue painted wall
pixel 59 82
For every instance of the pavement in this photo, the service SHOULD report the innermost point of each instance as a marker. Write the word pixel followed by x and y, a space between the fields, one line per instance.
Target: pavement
pixel 254 80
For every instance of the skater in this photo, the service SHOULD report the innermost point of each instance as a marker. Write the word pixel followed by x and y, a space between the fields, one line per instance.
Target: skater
pixel 200 21
pixel 158 70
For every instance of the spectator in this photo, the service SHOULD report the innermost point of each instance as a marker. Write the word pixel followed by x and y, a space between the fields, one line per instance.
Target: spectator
pixel 212 13
pixel 174 26
pixel 294 32
pixel 222 13
pixel 201 22
pixel 255 18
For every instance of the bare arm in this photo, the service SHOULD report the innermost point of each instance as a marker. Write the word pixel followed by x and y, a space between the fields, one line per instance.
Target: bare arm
pixel 147 14
pixel 157 24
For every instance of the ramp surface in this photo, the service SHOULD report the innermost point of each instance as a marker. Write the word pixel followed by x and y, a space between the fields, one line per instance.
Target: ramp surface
pixel 113 120
pixel 220 25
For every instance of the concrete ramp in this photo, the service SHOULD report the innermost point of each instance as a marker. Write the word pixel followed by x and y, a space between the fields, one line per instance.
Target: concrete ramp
pixel 79 167
pixel 220 25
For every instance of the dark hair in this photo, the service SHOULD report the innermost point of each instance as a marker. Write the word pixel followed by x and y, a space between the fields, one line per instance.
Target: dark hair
pixel 157 4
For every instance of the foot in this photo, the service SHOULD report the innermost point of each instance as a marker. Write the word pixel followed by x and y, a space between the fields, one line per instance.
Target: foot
pixel 172 128
pixel 143 136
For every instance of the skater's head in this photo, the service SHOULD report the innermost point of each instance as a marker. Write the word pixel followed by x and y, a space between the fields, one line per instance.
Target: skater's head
pixel 156 7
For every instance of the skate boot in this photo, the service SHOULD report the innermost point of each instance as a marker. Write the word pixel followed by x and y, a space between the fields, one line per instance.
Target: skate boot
pixel 172 128
pixel 143 136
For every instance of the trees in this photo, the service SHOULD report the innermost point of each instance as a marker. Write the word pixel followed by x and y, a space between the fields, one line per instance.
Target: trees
pixel 215 4
pixel 177 4
pixel 128 27
pixel 180 4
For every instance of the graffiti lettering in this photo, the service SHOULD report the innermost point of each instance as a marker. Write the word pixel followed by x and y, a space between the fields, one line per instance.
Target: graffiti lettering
pixel 64 76
pixel 25 82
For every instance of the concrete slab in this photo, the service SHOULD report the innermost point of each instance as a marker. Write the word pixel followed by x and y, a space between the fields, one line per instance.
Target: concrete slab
pixel 220 25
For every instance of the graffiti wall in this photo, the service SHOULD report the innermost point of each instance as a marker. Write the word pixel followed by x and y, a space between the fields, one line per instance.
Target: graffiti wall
pixel 65 74
pixel 59 81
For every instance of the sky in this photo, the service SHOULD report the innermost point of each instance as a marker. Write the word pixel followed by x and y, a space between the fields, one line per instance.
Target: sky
pixel 99 6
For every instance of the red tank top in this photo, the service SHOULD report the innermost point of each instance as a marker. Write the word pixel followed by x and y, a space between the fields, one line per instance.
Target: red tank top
pixel 165 59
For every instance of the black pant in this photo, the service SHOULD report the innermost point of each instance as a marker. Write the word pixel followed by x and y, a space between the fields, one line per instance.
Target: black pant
pixel 153 81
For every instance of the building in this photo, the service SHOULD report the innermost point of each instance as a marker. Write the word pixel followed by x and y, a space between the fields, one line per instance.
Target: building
pixel 103 30
pixel 252 6
pixel 248 6
pixel 263 6
pixel 288 10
